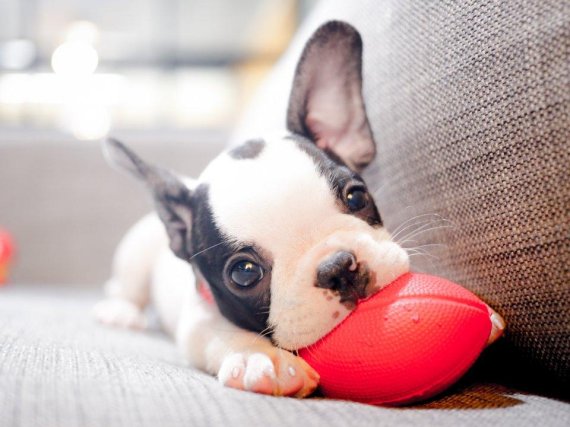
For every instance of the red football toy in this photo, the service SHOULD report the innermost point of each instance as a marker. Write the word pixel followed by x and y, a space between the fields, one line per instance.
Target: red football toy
pixel 408 342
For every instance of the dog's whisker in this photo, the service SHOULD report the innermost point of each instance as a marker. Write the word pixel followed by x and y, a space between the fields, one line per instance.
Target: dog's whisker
pixel 424 248
pixel 407 241
pixel 414 218
pixel 415 240
pixel 263 334
pixel 422 253
pixel 427 245
pixel 415 249
pixel 419 251
pixel 422 225
pixel 204 250
pixel 408 232
pixel 428 257
pixel 266 331
pixel 418 223
pixel 416 233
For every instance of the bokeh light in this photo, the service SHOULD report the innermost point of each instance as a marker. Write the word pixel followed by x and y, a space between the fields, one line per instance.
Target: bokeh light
pixel 75 58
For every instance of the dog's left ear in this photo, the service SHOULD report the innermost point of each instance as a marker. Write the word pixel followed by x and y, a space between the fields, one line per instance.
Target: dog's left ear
pixel 326 103
pixel 172 199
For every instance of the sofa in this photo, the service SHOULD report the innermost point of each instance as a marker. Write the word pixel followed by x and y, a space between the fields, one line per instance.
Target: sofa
pixel 469 104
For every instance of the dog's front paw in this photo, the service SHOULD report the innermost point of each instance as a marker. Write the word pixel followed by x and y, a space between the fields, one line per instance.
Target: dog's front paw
pixel 119 313
pixel 277 372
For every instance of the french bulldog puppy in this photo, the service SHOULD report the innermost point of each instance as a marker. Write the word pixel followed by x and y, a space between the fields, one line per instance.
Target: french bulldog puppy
pixel 274 244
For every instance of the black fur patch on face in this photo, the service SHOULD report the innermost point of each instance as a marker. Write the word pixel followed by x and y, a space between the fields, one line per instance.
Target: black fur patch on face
pixel 247 308
pixel 341 179
pixel 248 150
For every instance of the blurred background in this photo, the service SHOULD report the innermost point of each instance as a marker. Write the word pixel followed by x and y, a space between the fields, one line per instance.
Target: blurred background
pixel 169 77
pixel 80 67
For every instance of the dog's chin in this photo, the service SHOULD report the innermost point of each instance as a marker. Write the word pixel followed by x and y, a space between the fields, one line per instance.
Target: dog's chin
pixel 321 324
pixel 309 332
pixel 306 337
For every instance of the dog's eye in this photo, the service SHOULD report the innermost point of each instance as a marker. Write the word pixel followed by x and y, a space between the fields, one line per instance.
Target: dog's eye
pixel 246 273
pixel 356 199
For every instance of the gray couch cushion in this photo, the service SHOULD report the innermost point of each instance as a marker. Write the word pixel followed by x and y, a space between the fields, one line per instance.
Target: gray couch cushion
pixel 58 368
pixel 469 104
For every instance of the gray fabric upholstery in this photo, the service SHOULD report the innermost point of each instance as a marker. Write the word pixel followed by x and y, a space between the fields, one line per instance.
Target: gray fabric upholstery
pixel 469 103
pixel 58 368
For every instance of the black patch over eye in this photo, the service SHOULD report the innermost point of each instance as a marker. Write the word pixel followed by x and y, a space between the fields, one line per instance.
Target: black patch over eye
pixel 246 273
pixel 356 199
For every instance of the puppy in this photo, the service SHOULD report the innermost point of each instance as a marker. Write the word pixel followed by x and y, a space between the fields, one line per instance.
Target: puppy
pixel 274 244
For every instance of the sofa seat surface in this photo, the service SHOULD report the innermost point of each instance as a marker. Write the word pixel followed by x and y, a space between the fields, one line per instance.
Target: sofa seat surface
pixel 59 368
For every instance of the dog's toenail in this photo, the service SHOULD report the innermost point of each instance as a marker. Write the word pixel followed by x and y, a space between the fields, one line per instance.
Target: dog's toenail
pixel 236 371
pixel 291 371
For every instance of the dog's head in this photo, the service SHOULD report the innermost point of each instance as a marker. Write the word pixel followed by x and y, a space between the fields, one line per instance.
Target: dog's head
pixel 283 228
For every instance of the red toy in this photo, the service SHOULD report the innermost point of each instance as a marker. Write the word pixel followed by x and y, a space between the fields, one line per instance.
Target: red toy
pixel 6 252
pixel 408 342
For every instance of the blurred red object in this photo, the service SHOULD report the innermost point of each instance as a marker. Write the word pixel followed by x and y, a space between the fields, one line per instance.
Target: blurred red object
pixel 6 254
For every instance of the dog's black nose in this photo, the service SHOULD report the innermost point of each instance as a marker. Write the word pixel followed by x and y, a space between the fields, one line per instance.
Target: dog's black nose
pixel 338 272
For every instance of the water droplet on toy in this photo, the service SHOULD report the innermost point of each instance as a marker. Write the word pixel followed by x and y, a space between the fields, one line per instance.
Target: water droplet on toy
pixel 416 318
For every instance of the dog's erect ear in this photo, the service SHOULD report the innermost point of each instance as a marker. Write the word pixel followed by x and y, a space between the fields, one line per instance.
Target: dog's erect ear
pixel 171 197
pixel 326 103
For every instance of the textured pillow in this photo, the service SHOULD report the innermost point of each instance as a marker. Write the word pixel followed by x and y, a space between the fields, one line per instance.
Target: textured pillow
pixel 470 104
